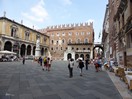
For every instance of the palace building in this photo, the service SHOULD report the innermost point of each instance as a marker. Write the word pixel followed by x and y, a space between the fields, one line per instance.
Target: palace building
pixel 71 40
pixel 21 39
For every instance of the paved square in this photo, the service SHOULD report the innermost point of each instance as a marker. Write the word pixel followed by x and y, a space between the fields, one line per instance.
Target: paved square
pixel 29 81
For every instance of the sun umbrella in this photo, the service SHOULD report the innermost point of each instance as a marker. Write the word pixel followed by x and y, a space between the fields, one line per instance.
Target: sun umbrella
pixel 7 52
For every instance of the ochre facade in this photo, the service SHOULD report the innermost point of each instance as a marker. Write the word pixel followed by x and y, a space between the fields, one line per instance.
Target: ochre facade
pixel 18 38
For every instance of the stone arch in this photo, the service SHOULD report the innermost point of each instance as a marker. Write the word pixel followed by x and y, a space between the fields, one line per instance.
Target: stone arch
pixel 42 51
pixel 69 55
pixel 100 48
pixel 82 55
pixel 88 56
pixel 23 50
pixel 8 46
pixel 29 50
pixel 76 56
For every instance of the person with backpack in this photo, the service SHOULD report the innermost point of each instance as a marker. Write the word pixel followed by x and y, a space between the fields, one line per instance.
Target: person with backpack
pixel 45 63
pixel 81 65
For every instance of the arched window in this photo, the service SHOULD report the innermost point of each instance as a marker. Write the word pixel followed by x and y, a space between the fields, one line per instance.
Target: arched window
pixel 70 41
pixel 14 30
pixel 52 41
pixel 63 41
pixel 78 40
pixel 86 40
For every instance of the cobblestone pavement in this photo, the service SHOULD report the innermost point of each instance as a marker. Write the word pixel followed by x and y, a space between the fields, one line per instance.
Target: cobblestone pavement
pixel 29 81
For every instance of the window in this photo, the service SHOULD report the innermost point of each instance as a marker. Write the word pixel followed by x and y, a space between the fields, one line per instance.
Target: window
pixel 63 41
pixel 88 48
pixel 72 48
pixel 78 40
pixel 82 33
pixel 27 34
pixel 70 33
pixel 14 31
pixel 51 48
pixel 52 42
pixel 88 33
pixel 76 48
pixel 57 42
pixel 52 34
pixel 70 41
pixel 61 48
pixel 66 48
pixel 63 34
pixel 86 40
pixel 77 33
pixel 58 34
pixel 83 48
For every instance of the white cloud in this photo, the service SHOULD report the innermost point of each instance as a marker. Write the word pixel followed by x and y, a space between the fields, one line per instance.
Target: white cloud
pixel 37 13
pixel 67 2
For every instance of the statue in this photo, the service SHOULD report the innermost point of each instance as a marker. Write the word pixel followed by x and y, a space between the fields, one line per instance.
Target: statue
pixel 37 50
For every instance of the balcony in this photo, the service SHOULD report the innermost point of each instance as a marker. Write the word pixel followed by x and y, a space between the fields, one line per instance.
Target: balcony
pixel 69 43
pixel 86 51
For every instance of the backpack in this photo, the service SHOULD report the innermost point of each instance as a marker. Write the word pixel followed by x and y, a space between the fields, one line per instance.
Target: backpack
pixel 45 60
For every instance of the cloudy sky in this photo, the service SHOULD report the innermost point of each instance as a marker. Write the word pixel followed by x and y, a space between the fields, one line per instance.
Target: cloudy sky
pixel 43 13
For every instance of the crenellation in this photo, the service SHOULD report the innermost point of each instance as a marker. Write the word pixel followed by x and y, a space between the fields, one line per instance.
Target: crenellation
pixel 73 25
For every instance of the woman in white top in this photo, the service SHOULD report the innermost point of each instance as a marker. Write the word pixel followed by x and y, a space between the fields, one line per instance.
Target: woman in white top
pixel 70 67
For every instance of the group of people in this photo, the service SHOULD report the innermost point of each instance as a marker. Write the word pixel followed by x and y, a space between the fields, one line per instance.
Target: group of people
pixel 98 64
pixel 80 66
pixel 45 63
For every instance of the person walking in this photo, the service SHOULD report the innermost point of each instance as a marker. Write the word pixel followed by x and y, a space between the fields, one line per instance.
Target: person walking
pixel 70 67
pixel 48 63
pixel 23 60
pixel 86 63
pixel 40 60
pixel 81 65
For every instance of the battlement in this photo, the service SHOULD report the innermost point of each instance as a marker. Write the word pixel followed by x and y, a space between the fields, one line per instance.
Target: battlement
pixel 64 26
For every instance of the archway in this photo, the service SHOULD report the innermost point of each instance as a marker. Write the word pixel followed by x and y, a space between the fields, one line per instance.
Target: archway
pixel 34 50
pixel 99 51
pixel 82 56
pixel 42 51
pixel 29 50
pixel 8 46
pixel 88 56
pixel 23 48
pixel 69 55
pixel 76 56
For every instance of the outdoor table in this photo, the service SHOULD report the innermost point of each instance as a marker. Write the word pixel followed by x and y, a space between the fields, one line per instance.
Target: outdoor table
pixel 129 80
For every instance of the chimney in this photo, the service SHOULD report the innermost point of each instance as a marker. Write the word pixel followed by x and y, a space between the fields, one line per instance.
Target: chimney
pixel 22 22
pixel 4 13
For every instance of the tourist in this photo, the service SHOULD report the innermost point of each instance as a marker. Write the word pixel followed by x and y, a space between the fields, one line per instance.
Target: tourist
pixel 49 63
pixel 86 63
pixel 23 60
pixel 70 67
pixel 81 65
pixel 40 61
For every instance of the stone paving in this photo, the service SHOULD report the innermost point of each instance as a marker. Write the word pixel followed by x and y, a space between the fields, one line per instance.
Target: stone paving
pixel 28 81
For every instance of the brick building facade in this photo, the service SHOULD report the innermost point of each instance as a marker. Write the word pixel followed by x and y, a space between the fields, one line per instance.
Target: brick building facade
pixel 71 40
pixel 120 31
